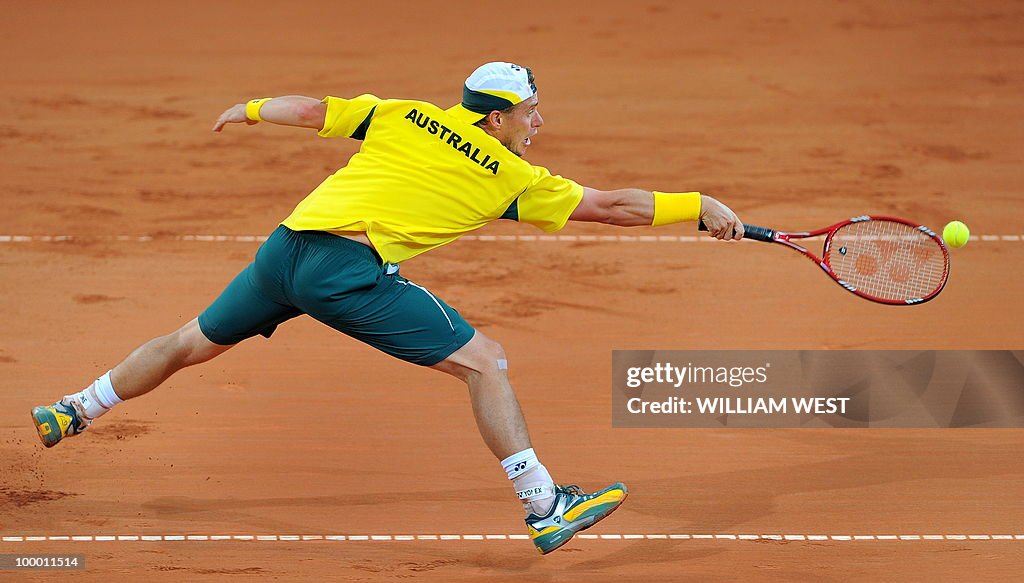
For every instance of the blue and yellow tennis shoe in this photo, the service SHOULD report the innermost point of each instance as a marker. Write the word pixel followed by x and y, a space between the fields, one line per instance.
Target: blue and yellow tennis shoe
pixel 572 511
pixel 57 421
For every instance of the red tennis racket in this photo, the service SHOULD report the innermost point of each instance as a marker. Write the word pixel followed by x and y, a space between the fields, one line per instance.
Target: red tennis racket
pixel 882 259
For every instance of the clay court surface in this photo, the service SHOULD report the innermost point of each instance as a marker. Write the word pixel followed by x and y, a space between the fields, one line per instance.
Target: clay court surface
pixel 798 115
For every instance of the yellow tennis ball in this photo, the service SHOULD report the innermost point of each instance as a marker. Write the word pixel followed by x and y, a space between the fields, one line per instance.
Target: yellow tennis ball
pixel 956 234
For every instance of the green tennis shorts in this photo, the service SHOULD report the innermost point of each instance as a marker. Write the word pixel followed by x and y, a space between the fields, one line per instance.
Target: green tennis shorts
pixel 342 284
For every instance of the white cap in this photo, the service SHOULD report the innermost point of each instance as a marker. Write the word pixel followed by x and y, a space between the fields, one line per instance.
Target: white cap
pixel 493 86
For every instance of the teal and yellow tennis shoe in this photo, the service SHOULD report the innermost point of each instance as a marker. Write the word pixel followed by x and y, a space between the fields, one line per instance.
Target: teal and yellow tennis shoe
pixel 57 421
pixel 572 511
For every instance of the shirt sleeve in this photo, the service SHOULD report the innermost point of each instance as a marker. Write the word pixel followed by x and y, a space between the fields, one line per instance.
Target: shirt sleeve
pixel 548 201
pixel 348 117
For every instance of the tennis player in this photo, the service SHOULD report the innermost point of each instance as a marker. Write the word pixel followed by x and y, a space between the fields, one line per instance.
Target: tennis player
pixel 423 177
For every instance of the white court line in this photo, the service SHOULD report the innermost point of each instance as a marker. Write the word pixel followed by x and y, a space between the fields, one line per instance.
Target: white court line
pixel 482 238
pixel 712 538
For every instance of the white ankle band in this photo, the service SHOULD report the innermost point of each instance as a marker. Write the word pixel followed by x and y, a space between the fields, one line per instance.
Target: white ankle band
pixel 105 391
pixel 518 464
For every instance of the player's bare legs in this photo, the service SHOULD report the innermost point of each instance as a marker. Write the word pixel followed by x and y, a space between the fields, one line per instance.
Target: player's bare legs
pixel 155 361
pixel 481 364
pixel 553 513
pixel 140 372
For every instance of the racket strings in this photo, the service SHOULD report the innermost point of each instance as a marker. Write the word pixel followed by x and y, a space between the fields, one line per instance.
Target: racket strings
pixel 886 259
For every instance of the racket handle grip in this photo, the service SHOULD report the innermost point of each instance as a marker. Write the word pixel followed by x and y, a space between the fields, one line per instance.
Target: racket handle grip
pixel 749 232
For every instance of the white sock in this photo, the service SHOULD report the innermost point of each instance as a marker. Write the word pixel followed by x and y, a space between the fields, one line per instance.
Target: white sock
pixel 97 398
pixel 531 480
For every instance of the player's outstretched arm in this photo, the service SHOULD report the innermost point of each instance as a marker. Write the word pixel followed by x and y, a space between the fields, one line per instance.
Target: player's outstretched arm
pixel 631 207
pixel 291 110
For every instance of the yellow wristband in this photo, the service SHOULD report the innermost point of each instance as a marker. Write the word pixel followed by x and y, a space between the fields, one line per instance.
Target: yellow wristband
pixel 675 207
pixel 252 109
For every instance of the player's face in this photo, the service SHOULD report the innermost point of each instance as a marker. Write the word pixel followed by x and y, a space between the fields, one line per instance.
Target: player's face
pixel 521 125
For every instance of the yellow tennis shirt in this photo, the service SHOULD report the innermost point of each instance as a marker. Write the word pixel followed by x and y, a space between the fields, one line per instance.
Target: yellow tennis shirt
pixel 423 178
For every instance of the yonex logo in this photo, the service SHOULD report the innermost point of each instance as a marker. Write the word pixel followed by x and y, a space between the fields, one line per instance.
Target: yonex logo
pixel 530 492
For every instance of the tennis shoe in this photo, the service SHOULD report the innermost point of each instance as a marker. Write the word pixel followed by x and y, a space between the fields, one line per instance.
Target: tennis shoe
pixel 572 511
pixel 60 420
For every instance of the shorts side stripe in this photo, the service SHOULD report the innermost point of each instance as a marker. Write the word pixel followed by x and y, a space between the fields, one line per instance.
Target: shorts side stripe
pixel 437 303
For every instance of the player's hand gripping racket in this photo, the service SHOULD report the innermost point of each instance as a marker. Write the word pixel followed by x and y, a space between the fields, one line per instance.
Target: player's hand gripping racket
pixel 882 259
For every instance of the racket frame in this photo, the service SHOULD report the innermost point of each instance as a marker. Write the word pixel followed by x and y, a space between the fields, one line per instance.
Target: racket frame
pixel 783 238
